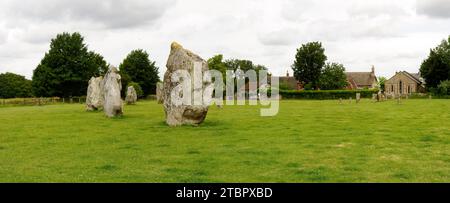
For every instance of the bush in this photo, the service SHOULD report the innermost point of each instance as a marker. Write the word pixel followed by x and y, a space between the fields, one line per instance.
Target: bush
pixel 308 86
pixel 325 94
pixel 137 87
pixel 443 88
pixel 419 96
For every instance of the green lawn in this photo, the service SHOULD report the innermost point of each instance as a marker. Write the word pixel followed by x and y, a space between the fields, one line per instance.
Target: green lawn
pixel 308 141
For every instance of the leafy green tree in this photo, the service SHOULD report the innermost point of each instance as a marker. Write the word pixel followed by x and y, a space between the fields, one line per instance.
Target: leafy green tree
pixel 13 86
pixel 436 67
pixel 381 83
pixel 243 64
pixel 308 64
pixel 67 67
pixel 216 63
pixel 100 62
pixel 138 68
pixel 333 77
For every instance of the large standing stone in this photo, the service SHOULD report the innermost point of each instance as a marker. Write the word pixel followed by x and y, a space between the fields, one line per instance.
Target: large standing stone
pixel 131 97
pixel 94 98
pixel 358 97
pixel 159 92
pixel 177 112
pixel 112 87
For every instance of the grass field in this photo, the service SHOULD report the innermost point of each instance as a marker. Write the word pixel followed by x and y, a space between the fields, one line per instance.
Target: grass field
pixel 308 141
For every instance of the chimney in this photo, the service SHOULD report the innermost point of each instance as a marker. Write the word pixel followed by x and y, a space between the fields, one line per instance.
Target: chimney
pixel 287 73
pixel 373 69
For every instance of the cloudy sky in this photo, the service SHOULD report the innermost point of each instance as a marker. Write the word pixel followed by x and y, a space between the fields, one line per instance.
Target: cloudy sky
pixel 392 35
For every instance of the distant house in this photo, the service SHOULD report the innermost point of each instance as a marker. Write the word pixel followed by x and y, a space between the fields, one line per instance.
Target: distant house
pixel 290 82
pixel 405 83
pixel 355 80
pixel 361 80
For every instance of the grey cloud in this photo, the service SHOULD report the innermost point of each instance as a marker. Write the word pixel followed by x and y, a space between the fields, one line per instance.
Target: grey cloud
pixel 107 14
pixel 281 37
pixel 434 8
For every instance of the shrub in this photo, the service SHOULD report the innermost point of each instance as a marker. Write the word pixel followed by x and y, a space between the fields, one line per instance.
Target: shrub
pixel 308 86
pixel 325 94
pixel 443 88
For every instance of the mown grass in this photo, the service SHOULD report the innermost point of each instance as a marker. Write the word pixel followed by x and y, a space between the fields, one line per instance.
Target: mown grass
pixel 308 141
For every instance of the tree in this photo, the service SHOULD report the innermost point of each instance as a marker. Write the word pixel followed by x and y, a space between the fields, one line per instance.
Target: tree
pixel 381 82
pixel 333 77
pixel 308 64
pixel 138 68
pixel 216 63
pixel 67 67
pixel 243 64
pixel 13 86
pixel 436 67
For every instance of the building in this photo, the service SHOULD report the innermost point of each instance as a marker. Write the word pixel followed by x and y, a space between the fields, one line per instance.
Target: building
pixel 289 82
pixel 361 80
pixel 355 80
pixel 404 83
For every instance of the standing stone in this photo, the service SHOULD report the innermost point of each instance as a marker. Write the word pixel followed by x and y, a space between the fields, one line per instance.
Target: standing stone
pixel 379 97
pixel 131 97
pixel 112 87
pixel 94 98
pixel 178 112
pixel 374 97
pixel 159 92
pixel 358 97
pixel 350 100
pixel 340 100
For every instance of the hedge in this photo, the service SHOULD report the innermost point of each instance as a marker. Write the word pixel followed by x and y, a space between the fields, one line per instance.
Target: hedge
pixel 325 94
pixel 31 101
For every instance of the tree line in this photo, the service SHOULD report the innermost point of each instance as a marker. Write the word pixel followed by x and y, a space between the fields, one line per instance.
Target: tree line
pixel 66 68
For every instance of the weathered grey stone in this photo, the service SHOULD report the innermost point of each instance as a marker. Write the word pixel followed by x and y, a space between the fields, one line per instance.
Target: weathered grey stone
pixel 131 97
pixel 94 98
pixel 159 92
pixel 374 97
pixel 112 86
pixel 177 112
pixel 358 97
